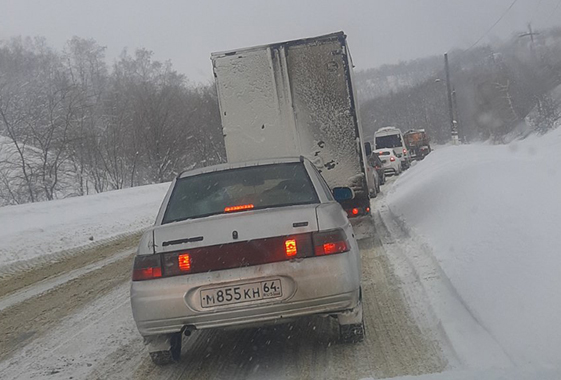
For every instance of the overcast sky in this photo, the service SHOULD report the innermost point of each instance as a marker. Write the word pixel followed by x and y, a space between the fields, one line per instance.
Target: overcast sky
pixel 186 32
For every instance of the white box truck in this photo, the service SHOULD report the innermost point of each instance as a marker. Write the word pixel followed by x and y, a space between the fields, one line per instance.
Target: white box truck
pixel 296 98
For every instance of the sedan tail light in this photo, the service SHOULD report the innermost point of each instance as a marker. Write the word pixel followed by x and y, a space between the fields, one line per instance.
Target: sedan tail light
pixel 146 267
pixel 330 242
pixel 239 254
pixel 392 158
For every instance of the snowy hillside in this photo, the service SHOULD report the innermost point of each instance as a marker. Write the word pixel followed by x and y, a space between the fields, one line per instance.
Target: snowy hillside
pixel 491 215
pixel 42 173
pixel 38 229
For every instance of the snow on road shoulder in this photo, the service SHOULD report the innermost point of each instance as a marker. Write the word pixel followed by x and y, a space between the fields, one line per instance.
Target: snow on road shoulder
pixel 494 374
pixel 491 214
pixel 39 229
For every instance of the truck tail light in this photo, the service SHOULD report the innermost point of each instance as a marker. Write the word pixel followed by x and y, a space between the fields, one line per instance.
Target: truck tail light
pixel 330 242
pixel 146 267
pixel 290 247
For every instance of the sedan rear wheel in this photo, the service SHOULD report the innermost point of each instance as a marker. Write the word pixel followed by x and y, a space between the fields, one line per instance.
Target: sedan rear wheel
pixel 351 324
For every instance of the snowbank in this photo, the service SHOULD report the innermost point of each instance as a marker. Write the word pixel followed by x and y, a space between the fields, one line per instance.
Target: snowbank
pixel 38 229
pixel 494 374
pixel 492 215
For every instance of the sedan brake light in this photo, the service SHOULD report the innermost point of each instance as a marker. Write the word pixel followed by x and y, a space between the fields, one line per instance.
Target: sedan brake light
pixel 238 208
pixel 184 261
pixel 392 158
pixel 330 242
pixel 290 247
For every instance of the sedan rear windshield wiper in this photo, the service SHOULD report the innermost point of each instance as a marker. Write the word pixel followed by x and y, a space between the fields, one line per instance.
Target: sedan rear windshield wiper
pixel 182 241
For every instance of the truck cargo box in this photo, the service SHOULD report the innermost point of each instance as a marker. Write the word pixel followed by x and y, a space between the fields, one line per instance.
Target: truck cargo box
pixel 290 99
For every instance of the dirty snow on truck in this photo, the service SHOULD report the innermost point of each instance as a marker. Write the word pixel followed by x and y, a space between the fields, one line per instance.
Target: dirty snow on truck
pixel 295 98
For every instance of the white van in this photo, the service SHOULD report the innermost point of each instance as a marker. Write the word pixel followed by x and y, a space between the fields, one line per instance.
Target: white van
pixel 391 138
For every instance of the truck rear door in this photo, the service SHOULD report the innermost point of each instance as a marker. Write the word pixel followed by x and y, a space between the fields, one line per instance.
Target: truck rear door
pixel 324 111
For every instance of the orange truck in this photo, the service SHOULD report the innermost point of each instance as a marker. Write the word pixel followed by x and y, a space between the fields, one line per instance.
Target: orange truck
pixel 418 143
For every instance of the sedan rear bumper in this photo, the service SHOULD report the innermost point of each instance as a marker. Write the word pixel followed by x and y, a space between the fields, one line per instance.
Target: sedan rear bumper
pixel 318 285
pixel 262 315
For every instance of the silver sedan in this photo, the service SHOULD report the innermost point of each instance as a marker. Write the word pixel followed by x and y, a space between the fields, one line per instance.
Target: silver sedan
pixel 248 244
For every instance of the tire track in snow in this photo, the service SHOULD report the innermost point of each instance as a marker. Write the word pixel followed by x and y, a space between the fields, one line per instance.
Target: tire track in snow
pixel 21 275
pixel 50 283
pixel 33 318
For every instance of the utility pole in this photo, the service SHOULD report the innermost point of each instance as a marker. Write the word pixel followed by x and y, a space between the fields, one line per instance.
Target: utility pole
pixel 455 110
pixel 453 123
pixel 530 34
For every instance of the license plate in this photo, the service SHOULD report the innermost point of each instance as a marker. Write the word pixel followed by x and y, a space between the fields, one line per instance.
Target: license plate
pixel 254 291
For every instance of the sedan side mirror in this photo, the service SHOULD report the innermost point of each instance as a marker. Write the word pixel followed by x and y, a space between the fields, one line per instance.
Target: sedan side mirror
pixel 343 194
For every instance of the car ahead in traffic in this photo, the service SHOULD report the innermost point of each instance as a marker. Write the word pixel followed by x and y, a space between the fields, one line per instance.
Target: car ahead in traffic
pixel 391 163
pixel 244 245
pixel 392 138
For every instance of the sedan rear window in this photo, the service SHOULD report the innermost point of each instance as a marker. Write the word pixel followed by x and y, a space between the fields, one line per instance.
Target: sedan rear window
pixel 233 190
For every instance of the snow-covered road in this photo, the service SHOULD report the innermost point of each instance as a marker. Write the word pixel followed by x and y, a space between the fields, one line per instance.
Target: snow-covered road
pixel 93 336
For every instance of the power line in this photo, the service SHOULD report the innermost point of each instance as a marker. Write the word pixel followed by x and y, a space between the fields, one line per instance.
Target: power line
pixel 495 24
